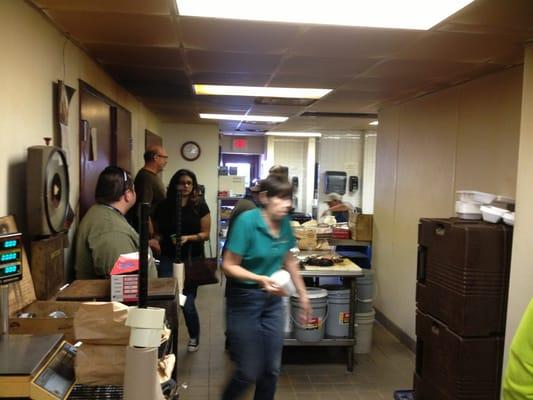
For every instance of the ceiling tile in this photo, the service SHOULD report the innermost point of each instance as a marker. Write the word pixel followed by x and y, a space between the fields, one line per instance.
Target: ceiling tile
pixel 344 95
pixel 220 102
pixel 324 124
pixel 168 57
pixel 147 74
pixel 211 61
pixel 133 29
pixel 138 42
pixel 344 106
pixel 511 15
pixel 243 79
pixel 383 85
pixel 236 36
pixel 350 42
pixel 307 80
pixel 162 90
pixel 275 110
pixel 156 7
pixel 324 66
pixel 460 47
pixel 419 70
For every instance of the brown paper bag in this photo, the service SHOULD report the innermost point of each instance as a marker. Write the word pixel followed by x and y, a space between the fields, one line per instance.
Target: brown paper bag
pixel 308 241
pixel 102 323
pixel 100 364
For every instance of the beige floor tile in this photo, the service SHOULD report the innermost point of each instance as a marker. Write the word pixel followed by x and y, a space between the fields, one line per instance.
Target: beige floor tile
pixel 307 373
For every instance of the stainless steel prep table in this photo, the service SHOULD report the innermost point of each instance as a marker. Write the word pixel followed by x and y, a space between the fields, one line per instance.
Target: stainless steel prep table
pixel 349 271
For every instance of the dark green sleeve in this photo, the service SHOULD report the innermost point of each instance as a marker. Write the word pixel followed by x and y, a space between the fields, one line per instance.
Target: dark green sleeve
pixel 238 238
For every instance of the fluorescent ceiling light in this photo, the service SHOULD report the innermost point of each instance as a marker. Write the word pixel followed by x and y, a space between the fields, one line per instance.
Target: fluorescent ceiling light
pixel 243 117
pixel 406 14
pixel 374 123
pixel 259 91
pixel 294 134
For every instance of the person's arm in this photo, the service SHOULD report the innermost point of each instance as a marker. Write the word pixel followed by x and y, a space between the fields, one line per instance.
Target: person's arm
pixel 292 267
pixel 341 207
pixel 232 269
pixel 203 235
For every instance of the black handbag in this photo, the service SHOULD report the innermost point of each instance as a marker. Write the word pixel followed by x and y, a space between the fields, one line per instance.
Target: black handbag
pixel 200 270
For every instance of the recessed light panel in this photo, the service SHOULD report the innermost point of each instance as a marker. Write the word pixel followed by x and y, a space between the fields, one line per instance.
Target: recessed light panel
pixel 243 117
pixel 260 91
pixel 406 14
pixel 295 134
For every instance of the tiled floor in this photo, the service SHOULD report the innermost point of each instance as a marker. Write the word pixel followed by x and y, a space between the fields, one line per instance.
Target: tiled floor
pixel 307 373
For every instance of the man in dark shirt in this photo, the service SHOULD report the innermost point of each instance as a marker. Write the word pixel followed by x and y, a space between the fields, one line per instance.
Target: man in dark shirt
pixel 149 187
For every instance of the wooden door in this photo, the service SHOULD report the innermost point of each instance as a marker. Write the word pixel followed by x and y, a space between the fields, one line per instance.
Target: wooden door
pixel 95 144
pixel 105 139
pixel 122 138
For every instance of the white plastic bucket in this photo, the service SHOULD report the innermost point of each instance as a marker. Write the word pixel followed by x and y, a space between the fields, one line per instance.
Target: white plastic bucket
pixel 311 330
pixel 338 321
pixel 365 293
pixel 364 323
pixel 287 323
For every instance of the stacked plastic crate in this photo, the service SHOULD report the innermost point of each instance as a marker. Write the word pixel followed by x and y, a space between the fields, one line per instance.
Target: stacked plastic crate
pixel 462 285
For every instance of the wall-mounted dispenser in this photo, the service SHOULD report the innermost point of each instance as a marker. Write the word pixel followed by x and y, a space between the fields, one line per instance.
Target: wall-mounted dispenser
pixel 353 184
pixel 335 182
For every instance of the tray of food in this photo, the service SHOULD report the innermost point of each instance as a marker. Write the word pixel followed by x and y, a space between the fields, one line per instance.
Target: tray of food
pixel 320 260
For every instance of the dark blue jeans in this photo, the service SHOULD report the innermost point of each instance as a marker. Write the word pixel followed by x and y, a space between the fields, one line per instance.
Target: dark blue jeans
pixel 255 334
pixel 190 314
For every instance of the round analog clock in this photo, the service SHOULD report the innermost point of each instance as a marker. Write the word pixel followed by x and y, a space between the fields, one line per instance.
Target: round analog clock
pixel 190 151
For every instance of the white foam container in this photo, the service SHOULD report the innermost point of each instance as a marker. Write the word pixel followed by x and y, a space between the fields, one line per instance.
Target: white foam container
pixel 283 280
pixel 475 196
pixel 468 210
pixel 492 214
pixel 508 218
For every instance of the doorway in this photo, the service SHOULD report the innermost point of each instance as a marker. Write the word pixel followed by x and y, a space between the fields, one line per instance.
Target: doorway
pixel 246 165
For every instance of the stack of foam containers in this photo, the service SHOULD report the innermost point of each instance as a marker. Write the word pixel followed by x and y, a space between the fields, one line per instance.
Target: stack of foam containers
pixel 469 202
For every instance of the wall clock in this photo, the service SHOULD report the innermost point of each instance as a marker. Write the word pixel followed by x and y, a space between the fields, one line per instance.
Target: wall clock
pixel 190 150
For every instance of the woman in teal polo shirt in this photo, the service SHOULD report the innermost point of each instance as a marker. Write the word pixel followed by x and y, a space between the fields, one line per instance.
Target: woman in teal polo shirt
pixel 258 246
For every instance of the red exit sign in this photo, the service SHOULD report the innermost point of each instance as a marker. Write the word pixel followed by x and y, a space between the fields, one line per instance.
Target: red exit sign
pixel 240 144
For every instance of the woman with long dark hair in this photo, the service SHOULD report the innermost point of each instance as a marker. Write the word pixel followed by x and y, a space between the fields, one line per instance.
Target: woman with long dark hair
pixel 195 227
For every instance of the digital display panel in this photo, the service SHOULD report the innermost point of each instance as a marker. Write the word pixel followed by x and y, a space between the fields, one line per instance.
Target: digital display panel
pixel 11 256
pixel 9 244
pixel 8 270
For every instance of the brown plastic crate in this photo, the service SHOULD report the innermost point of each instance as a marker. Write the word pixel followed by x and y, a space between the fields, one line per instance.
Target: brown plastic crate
pixel 463 274
pixel 451 367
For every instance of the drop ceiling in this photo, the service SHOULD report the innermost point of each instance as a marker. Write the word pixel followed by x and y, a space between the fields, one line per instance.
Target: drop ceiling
pixel 157 55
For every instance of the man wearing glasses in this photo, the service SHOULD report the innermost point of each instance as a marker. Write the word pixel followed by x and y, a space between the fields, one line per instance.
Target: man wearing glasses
pixel 149 186
pixel 104 233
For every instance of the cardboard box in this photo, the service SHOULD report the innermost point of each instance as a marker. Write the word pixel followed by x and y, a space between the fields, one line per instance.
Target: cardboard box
pixel 125 278
pixel 42 324
pixel 22 299
pixel 363 227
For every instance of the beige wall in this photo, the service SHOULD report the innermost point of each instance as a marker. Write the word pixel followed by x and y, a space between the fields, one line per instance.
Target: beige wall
pixel 34 55
pixel 465 137
pixel 521 285
pixel 205 167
